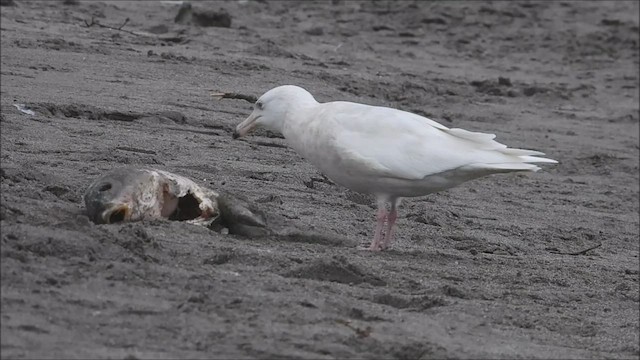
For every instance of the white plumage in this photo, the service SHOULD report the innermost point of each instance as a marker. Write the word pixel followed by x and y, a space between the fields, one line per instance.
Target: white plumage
pixel 382 151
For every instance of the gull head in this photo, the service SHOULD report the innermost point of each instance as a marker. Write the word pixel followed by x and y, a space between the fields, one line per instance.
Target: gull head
pixel 273 108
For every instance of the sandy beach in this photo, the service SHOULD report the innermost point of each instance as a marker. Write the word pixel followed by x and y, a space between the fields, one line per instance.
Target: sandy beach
pixel 541 265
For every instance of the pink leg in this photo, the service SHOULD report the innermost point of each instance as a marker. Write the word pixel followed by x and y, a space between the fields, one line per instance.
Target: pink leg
pixel 391 221
pixel 381 216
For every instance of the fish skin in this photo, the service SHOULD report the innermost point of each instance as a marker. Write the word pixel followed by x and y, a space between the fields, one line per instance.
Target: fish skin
pixel 143 192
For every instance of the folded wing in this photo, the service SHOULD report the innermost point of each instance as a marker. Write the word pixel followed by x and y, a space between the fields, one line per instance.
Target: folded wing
pixel 393 143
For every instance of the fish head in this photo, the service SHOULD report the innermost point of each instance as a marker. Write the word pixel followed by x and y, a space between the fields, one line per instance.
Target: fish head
pixel 114 197
pixel 132 194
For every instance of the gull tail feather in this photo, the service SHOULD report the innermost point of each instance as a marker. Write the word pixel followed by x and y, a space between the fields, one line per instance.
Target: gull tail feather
pixel 486 169
pixel 526 156
pixel 498 158
pixel 516 160
pixel 487 142
pixel 535 159
pixel 471 135
pixel 520 152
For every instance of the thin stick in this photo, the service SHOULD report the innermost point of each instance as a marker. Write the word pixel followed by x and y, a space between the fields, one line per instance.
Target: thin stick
pixel 581 252
pixel 222 95
pixel 360 332
pixel 119 28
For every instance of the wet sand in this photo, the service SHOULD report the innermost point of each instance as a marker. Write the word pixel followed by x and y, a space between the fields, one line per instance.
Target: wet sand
pixel 496 268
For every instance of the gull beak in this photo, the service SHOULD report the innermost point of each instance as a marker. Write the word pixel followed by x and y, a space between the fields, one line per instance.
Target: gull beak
pixel 246 126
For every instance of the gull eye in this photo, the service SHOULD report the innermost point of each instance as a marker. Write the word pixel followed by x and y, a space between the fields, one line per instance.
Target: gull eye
pixel 260 105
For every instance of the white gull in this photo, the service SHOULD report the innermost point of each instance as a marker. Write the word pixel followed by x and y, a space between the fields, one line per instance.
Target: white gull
pixel 382 151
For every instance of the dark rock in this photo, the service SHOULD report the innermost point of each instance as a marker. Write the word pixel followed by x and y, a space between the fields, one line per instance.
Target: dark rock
pixel 210 18
pixel 202 17
pixel 439 21
pixel 504 81
pixel 315 31
pixel 382 27
pixel 185 14
pixel 610 22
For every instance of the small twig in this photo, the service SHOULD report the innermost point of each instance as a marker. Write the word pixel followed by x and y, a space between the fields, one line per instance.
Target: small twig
pixel 123 24
pixel 360 332
pixel 581 252
pixel 222 95
pixel 119 28
pixel 205 132
pixel 142 151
